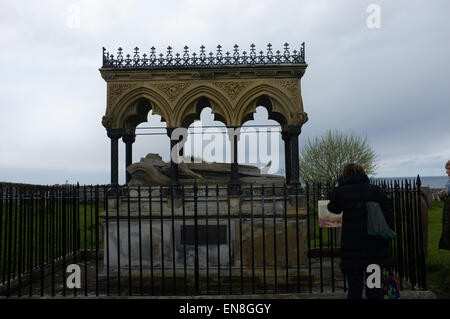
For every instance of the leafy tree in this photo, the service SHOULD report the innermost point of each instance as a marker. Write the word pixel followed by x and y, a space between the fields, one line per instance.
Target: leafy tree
pixel 323 158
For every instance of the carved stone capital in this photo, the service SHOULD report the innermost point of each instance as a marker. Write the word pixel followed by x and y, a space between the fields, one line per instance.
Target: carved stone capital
pixel 129 138
pixel 107 121
pixel 301 118
pixel 114 133
pixel 290 131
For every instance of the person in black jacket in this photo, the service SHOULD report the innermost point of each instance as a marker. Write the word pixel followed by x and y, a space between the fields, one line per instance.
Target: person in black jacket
pixel 358 249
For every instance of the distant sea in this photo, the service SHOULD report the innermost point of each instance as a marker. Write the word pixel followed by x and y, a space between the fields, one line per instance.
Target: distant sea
pixel 427 181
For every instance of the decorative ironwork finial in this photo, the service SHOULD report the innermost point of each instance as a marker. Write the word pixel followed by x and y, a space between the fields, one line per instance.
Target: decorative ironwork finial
pixel 136 57
pixel 286 51
pixel 302 51
pixel 252 50
pixel 177 59
pixel 169 56
pixel 186 55
pixel 202 55
pixel 186 59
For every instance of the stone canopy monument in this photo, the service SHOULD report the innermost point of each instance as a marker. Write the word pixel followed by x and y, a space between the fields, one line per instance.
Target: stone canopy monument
pixel 177 87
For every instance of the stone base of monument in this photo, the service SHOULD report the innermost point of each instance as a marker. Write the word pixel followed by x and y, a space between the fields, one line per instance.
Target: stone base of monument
pixel 155 232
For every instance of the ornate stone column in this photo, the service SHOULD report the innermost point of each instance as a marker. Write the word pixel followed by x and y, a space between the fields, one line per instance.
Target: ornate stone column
pixel 287 155
pixel 128 139
pixel 114 135
pixel 290 137
pixel 234 134
pixel 173 165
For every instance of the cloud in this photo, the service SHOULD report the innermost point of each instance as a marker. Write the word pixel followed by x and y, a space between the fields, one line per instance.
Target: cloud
pixel 389 84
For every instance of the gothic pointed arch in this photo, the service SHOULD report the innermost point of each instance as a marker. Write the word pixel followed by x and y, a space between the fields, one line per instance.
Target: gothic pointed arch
pixel 279 105
pixel 132 108
pixel 190 105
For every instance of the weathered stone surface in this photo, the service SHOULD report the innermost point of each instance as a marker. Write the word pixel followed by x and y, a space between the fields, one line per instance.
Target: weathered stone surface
pixel 153 171
pixel 183 172
pixel 261 228
pixel 153 156
pixel 153 162
pixel 221 168
pixel 151 247
pixel 145 174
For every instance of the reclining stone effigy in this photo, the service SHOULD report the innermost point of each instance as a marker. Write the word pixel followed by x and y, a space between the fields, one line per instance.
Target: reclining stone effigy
pixel 153 171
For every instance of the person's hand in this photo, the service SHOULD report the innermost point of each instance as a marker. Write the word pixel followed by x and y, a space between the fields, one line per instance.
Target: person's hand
pixel 442 193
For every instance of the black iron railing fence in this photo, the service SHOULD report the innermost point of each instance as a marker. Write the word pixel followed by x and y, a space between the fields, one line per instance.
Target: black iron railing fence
pixel 409 247
pixel 194 240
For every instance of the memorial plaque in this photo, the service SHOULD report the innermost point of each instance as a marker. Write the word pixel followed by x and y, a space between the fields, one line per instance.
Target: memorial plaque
pixel 215 234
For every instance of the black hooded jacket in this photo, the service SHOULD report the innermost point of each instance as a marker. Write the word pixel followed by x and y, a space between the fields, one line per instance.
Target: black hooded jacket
pixel 358 250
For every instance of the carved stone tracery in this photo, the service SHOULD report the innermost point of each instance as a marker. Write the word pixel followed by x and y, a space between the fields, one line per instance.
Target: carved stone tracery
pixel 172 89
pixel 116 90
pixel 292 86
pixel 232 88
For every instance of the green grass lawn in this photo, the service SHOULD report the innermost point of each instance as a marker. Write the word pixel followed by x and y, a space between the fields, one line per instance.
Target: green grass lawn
pixel 438 260
pixel 28 240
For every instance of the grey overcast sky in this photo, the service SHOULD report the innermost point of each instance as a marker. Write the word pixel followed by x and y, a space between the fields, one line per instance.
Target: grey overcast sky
pixel 391 83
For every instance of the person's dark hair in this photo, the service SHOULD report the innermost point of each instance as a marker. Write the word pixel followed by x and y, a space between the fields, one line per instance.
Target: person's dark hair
pixel 352 169
pixel 447 165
